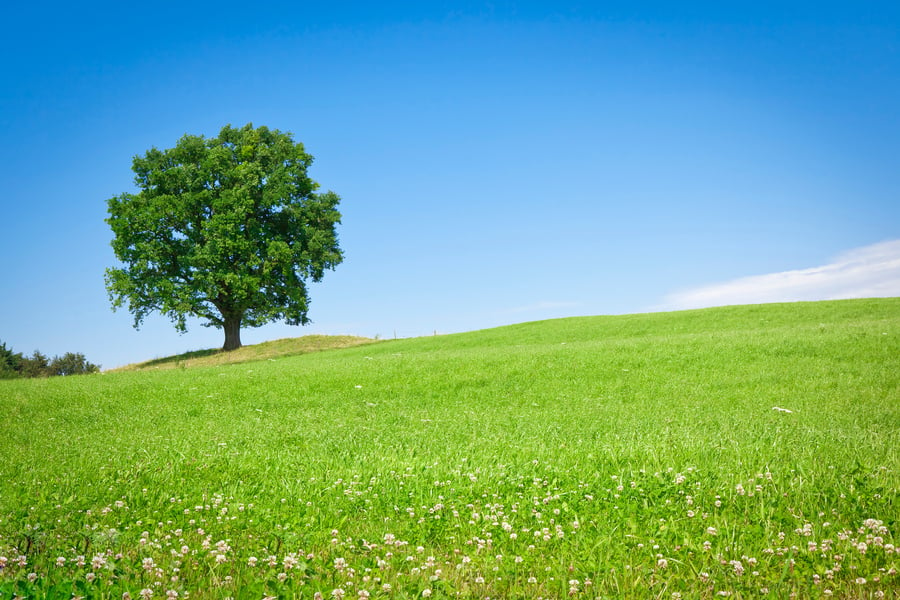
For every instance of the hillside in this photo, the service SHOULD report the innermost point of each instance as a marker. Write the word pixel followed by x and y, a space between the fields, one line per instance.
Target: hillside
pixel 254 352
pixel 744 450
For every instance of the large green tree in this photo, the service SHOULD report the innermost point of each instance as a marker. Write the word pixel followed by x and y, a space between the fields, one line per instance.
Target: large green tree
pixel 228 229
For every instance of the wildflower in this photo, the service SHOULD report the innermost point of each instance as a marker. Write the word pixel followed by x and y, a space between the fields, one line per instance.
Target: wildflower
pixel 32 577
pixel 662 563
pixel 573 586
pixel 386 588
pixel 146 593
pixel 860 581
pixel 337 593
pixel 251 562
pixel 90 577
pixel 171 594
pixel 60 561
pixel 148 564
pixel 479 579
pixel 711 531
pixel 426 593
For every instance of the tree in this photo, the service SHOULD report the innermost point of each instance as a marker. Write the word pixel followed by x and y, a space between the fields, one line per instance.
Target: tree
pixel 228 229
pixel 37 365
pixel 10 362
pixel 71 363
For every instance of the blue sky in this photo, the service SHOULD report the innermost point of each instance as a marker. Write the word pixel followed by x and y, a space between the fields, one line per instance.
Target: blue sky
pixel 498 162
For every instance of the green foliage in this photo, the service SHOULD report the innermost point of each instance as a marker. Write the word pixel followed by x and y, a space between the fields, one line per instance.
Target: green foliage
pixel 227 229
pixel 36 365
pixel 10 362
pixel 639 453
pixel 13 364
pixel 71 364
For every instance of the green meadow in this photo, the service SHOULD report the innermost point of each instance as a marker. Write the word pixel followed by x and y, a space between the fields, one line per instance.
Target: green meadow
pixel 732 452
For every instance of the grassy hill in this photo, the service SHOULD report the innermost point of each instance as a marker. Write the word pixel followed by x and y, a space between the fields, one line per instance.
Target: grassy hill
pixel 735 451
pixel 255 352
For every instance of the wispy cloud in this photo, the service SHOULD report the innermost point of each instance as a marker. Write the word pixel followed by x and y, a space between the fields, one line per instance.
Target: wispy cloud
pixel 867 272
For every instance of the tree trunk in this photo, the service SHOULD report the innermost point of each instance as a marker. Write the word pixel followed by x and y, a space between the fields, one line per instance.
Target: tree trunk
pixel 232 332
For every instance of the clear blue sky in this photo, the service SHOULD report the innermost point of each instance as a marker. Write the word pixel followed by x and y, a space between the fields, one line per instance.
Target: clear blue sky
pixel 498 162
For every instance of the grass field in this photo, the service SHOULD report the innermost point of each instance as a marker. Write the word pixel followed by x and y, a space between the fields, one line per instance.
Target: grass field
pixel 732 452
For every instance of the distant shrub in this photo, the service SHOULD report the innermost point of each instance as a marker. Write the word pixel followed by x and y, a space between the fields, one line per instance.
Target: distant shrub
pixel 13 364
pixel 72 364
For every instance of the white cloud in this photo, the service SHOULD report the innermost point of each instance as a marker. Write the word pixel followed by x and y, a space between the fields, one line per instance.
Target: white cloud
pixel 867 272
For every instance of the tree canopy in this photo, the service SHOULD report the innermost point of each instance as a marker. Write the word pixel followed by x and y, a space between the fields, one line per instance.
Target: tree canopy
pixel 227 229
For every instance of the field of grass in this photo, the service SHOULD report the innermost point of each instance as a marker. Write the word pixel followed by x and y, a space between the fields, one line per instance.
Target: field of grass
pixel 733 452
